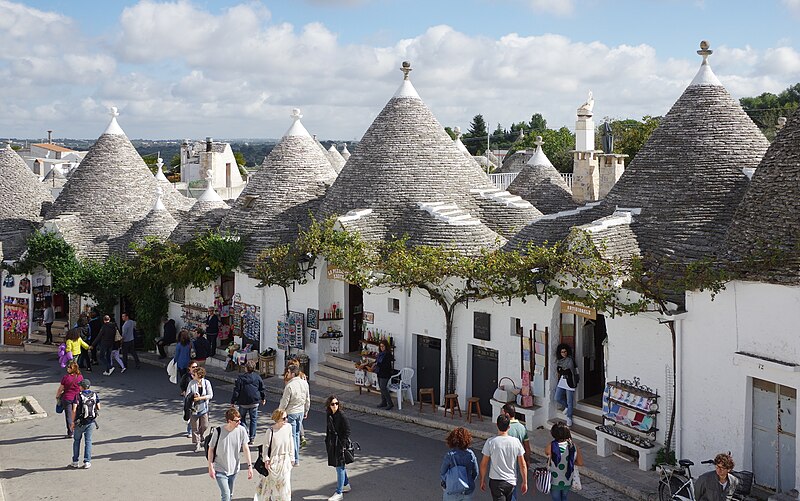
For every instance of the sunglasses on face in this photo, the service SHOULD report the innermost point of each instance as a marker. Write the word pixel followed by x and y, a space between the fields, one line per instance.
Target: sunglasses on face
pixel 333 404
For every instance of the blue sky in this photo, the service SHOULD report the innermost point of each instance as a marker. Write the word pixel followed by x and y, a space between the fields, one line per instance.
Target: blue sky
pixel 235 69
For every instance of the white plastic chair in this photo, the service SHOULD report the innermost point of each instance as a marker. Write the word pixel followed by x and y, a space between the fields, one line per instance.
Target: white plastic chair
pixel 401 382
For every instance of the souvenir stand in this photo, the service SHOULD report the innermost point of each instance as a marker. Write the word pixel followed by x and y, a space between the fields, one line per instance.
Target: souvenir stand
pixel 242 323
pixel 194 316
pixel 291 340
pixel 363 377
pixel 17 300
pixel 329 326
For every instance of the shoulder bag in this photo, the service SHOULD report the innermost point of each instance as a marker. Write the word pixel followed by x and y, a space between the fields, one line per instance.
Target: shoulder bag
pixel 543 478
pixel 260 466
pixel 576 479
pixel 455 480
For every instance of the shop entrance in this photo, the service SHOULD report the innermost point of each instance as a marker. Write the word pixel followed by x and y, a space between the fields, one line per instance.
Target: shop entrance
pixel 355 317
pixel 774 435
pixel 584 330
pixel 429 365
pixel 484 376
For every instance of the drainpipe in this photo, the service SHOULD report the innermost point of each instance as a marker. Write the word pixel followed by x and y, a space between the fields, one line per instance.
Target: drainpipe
pixel 677 321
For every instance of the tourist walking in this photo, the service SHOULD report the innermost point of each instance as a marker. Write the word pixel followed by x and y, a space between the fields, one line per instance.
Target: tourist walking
pixel 68 391
pixel 105 343
pixel 227 441
pixel 500 455
pixel 202 349
pixel 95 324
pixel 563 456
pixel 296 401
pixel 337 436
pixel 78 347
pixel 567 379
pixel 129 339
pixel 201 392
pixel 383 368
pixel 187 378
pixel 248 392
pixel 48 317
pixel 518 431
pixel 278 451
pixel 170 337
pixel 84 415
pixel 459 454
pixel 183 352
pixel 212 330
pixel 115 355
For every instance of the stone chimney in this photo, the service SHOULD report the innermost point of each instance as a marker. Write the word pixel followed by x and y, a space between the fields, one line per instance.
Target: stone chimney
pixel 50 137
pixel 611 168
pixel 585 162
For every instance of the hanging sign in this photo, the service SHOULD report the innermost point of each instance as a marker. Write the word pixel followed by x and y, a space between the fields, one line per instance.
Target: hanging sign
pixel 335 273
pixel 578 309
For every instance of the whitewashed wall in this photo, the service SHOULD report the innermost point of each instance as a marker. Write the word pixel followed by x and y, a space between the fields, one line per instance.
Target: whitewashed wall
pixel 716 384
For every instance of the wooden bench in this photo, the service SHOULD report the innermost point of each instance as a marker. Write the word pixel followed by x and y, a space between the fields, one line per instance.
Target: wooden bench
pixel 607 444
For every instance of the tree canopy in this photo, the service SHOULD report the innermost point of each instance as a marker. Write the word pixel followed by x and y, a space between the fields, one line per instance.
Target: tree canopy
pixel 765 109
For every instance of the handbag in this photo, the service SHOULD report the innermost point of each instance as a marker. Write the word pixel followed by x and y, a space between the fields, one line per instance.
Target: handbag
pixel 543 478
pixel 117 336
pixel 576 480
pixel 192 353
pixel 349 451
pixel 260 466
pixel 59 407
pixel 455 479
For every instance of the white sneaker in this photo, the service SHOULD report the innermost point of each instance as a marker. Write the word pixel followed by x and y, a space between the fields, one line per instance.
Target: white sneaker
pixel 106 373
pixel 347 488
pixel 123 370
pixel 336 497
pixel 87 465
pixel 198 448
pixel 111 371
pixel 74 464
pixel 569 422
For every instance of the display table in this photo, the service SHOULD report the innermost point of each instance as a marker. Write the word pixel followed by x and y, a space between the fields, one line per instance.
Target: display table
pixel 240 358
pixel 497 407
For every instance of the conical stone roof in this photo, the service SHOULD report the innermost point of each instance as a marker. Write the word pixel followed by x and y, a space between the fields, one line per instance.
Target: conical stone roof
pixel 687 179
pixel 277 199
pixel 542 185
pixel 109 191
pixel 159 223
pixel 406 159
pixel 514 162
pixel 345 152
pixel 206 214
pixel 24 198
pixel 335 158
pixel 768 218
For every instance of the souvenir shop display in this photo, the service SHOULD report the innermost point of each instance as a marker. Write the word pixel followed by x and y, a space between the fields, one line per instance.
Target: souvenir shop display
pixel 290 331
pixel 15 320
pixel 25 286
pixel 41 294
pixel 525 397
pixel 245 321
pixel 194 316
pixel 633 406
pixel 539 366
pixel 363 377
pixel 312 318
pixel 334 312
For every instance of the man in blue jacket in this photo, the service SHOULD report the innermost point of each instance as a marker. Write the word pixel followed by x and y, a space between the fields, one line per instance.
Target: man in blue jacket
pixel 248 391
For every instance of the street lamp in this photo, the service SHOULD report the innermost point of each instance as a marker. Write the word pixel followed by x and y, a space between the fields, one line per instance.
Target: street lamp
pixel 306 265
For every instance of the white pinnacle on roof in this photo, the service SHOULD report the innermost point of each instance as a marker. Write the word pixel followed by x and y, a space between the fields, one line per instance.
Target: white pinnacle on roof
pixel 113 127
pixel 704 75
pixel 345 152
pixel 460 145
pixel 406 88
pixel 159 205
pixel 539 158
pixel 297 128
pixel 160 174
pixel 210 195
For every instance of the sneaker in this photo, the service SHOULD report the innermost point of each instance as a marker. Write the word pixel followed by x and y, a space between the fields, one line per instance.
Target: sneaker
pixel 74 464
pixel 381 405
pixel 123 370
pixel 336 497
pixel 111 371
pixel 303 442
pixel 198 448
pixel 87 465
pixel 389 407
pixel 106 373
pixel 569 422
pixel 347 488
pixel 188 435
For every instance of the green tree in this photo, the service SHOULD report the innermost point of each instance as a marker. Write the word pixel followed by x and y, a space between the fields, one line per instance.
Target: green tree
pixel 175 163
pixel 629 135
pixel 450 132
pixel 477 128
pixel 765 109
pixel 558 146
pixel 537 123
pixel 151 160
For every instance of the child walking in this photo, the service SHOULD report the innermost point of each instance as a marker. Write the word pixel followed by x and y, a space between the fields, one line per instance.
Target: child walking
pixel 116 357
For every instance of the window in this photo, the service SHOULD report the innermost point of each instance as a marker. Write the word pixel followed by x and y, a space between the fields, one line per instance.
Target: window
pixel 516 327
pixel 394 305
pixel 481 326
pixel 179 295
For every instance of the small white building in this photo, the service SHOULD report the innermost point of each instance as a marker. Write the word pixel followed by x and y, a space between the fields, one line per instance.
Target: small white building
pixel 201 158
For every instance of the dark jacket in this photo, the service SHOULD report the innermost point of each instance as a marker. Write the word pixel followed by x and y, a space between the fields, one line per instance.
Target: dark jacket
pixel 383 365
pixel 106 336
pixel 212 324
pixel 248 389
pixel 202 348
pixel 188 403
pixel 336 434
pixel 707 488
pixel 95 325
pixel 184 382
pixel 170 333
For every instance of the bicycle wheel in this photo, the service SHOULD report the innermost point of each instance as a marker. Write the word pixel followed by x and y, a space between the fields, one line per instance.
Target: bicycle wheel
pixel 668 489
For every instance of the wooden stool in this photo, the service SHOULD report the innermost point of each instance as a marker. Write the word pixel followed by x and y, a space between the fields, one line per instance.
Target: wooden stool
pixel 266 365
pixel 451 404
pixel 474 402
pixel 427 392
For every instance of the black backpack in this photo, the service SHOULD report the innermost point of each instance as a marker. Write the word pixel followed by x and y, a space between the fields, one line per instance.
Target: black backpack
pixel 86 411
pixel 207 442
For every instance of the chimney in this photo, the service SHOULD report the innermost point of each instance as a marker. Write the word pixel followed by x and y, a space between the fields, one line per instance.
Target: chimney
pixel 209 142
pixel 50 137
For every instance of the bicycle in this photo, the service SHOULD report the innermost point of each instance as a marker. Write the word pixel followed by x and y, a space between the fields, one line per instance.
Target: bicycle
pixel 677 484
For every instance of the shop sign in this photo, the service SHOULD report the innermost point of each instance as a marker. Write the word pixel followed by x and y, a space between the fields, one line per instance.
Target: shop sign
pixel 578 309
pixel 335 273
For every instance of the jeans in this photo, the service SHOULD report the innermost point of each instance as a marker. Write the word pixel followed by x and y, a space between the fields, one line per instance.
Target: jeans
pixel 48 330
pixel 386 397
pixel 457 497
pixel 501 490
pixel 225 483
pixel 105 356
pixel 341 478
pixel 129 347
pixel 558 494
pixel 251 416
pixel 567 399
pixel 296 420
pixel 67 405
pixel 82 430
pixel 84 360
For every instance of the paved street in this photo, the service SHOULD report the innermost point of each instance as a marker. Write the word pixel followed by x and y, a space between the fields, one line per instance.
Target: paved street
pixel 140 450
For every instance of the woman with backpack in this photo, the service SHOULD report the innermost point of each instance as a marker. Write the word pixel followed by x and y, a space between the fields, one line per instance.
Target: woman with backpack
pixel 200 388
pixel 562 458
pixel 68 390
pixel 337 435
pixel 225 443
pixel 459 454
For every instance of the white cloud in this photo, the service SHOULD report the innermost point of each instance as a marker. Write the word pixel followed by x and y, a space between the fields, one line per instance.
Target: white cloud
pixel 557 7
pixel 793 6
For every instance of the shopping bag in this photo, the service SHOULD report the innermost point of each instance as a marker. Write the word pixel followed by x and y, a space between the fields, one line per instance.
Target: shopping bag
pixel 543 478
pixel 172 370
pixel 576 480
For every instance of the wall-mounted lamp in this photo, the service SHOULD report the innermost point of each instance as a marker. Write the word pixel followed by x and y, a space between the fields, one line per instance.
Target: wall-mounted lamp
pixel 306 265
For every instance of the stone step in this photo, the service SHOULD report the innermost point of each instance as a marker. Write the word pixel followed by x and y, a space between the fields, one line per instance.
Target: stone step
pixel 334 381
pixel 341 361
pixel 588 415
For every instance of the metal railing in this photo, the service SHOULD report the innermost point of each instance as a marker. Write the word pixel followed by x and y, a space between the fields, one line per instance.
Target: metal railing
pixel 501 181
